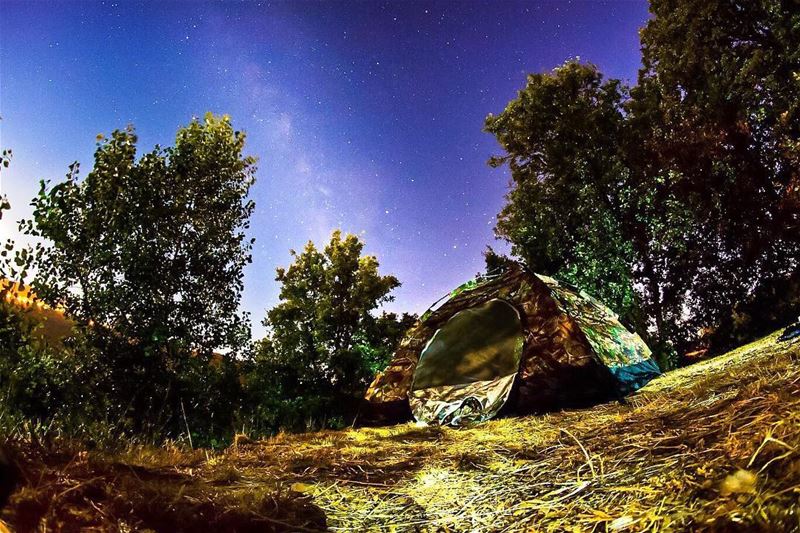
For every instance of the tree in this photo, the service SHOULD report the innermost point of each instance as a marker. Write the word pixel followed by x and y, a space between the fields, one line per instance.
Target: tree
pixel 324 341
pixel 150 251
pixel 561 142
pixel 675 201
pixel 714 128
pixel 495 263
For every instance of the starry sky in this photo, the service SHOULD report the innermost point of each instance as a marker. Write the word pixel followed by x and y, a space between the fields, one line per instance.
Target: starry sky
pixel 365 116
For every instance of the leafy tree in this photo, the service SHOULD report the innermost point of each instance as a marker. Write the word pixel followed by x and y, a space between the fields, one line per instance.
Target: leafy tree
pixel 675 201
pixel 324 342
pixel 713 144
pixel 495 263
pixel 561 137
pixel 150 251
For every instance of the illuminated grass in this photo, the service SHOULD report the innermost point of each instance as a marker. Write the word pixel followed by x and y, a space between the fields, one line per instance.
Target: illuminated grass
pixel 715 446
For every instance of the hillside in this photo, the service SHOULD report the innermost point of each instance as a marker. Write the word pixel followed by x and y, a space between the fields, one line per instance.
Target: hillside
pixel 715 446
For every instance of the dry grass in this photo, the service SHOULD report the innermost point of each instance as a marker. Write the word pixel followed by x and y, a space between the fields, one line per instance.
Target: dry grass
pixel 715 446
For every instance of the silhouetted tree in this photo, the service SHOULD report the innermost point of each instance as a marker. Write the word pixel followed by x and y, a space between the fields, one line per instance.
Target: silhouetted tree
pixel 562 216
pixel 675 201
pixel 325 343
pixel 149 250
pixel 713 148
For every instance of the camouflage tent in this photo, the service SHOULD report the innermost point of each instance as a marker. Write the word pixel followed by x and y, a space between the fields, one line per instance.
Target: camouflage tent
pixel 518 341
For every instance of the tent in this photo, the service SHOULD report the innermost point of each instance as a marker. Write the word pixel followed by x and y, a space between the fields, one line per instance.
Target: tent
pixel 517 341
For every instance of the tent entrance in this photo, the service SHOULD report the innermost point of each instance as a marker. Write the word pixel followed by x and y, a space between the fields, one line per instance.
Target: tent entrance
pixel 466 371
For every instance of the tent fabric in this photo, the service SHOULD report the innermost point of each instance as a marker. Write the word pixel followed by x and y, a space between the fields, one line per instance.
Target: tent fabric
pixel 464 287
pixel 633 377
pixel 790 332
pixel 624 353
pixel 575 351
pixel 467 369
pixel 463 404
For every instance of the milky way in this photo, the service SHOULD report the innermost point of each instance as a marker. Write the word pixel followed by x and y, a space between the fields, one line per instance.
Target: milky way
pixel 365 116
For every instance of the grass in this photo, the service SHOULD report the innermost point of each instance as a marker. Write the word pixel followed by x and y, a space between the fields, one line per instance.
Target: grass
pixel 714 446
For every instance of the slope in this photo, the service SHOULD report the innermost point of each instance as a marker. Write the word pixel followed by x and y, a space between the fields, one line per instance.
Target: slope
pixel 714 446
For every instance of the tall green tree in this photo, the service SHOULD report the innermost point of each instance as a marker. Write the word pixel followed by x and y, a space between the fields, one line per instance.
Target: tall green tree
pixel 677 200
pixel 714 128
pixel 561 142
pixel 149 250
pixel 325 342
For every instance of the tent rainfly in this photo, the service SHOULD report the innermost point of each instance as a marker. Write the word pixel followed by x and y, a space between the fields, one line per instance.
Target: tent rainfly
pixel 518 341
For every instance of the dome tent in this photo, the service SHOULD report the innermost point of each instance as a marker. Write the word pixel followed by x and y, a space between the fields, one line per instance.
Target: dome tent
pixel 517 341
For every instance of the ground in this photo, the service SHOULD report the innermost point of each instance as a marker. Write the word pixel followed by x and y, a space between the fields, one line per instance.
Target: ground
pixel 714 446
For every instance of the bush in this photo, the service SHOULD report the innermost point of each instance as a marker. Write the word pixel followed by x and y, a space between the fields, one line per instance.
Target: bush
pixel 45 383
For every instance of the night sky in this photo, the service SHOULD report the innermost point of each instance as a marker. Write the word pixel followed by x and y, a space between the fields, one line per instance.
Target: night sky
pixel 364 116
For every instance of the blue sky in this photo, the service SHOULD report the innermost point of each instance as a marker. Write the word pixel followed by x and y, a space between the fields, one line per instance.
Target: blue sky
pixel 364 116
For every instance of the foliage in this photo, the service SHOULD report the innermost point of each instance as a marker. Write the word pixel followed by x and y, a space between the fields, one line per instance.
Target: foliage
pixel 676 201
pixel 149 253
pixel 495 263
pixel 53 385
pixel 715 123
pixel 562 215
pixel 154 294
pixel 5 160
pixel 40 382
pixel 324 343
pixel 13 261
